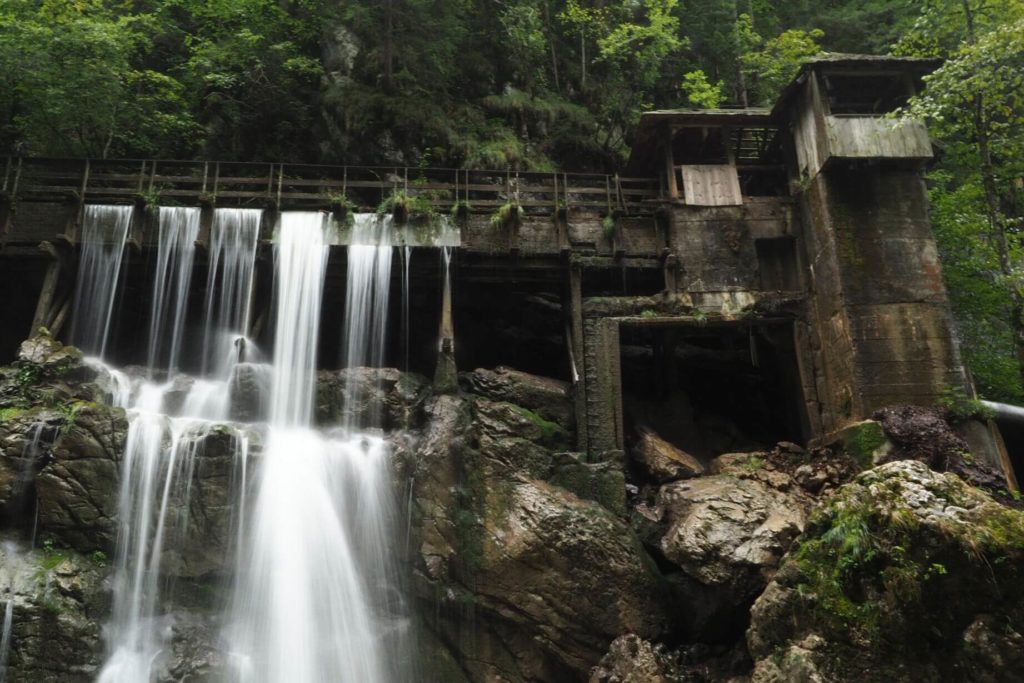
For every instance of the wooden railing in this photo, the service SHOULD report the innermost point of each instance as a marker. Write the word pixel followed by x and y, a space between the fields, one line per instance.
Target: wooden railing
pixel 313 186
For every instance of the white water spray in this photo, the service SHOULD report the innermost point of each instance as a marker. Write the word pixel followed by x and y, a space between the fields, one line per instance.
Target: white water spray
pixel 104 234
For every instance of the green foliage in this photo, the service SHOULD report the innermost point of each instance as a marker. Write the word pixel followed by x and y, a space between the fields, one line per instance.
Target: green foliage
pixel 648 313
pixel 777 60
pixel 461 209
pixel 343 207
pixel 975 107
pixel 959 407
pixel 508 214
pixel 700 92
pixel 407 207
pixel 608 225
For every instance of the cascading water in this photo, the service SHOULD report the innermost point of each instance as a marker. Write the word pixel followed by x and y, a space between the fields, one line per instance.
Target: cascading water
pixel 316 595
pixel 229 283
pixel 5 638
pixel 104 234
pixel 179 228
pixel 160 452
pixel 367 286
pixel 314 600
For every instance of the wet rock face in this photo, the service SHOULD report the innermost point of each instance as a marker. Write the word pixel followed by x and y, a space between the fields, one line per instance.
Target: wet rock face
pixel 376 397
pixel 905 574
pixel 552 578
pixel 58 601
pixel 549 398
pixel 631 659
pixel 77 487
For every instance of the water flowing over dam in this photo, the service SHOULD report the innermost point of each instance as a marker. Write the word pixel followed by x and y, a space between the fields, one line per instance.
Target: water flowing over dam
pixel 316 596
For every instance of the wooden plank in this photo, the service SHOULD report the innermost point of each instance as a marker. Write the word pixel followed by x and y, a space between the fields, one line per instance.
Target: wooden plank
pixel 711 185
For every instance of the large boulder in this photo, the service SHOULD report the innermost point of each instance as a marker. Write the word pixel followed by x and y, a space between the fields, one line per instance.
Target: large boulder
pixel 720 538
pixel 663 462
pixel 904 575
pixel 550 578
pixel 547 397
pixel 374 397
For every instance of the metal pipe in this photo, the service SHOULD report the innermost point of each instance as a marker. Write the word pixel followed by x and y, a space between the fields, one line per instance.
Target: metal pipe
pixel 1005 411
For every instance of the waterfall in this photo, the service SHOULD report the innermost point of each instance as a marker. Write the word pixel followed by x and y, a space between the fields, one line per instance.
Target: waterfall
pixel 316 595
pixel 179 228
pixel 313 596
pixel 229 284
pixel 5 638
pixel 367 286
pixel 104 234
pixel 300 260
pixel 159 460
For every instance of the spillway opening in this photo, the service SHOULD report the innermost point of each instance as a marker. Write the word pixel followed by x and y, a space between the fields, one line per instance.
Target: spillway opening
pixel 712 389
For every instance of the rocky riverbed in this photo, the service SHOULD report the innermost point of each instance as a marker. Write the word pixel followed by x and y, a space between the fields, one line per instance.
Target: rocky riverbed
pixel 527 561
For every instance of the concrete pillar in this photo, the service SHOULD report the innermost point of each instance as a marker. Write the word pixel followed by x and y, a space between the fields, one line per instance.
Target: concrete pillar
pixel 446 375
pixel 575 311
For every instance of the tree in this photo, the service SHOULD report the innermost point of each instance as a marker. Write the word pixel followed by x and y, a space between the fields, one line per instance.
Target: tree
pixel 975 104
pixel 70 85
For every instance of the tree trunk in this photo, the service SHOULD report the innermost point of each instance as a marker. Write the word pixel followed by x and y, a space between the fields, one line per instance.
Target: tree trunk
pixel 388 55
pixel 551 43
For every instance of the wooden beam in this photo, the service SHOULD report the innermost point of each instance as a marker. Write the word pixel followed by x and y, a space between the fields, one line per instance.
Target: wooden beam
pixel 670 168
pixel 50 281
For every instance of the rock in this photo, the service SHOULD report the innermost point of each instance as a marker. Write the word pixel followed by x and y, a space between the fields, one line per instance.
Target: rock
pixel 77 488
pixel 551 578
pixel 761 466
pixel 811 478
pixel 865 442
pixel 541 548
pixel 662 461
pixel 379 397
pixel 602 482
pixel 58 603
pixel 729 532
pixel 798 662
pixel 631 659
pixel 549 398
pixel 49 354
pixel 48 374
pixel 174 397
pixel 250 391
pixel 905 574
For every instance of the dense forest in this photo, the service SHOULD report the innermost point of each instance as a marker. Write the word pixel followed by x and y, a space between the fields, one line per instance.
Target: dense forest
pixel 535 84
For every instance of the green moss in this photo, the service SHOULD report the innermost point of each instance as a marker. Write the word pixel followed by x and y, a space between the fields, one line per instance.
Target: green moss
pixel 608 226
pixel 960 408
pixel 507 215
pixel 1002 529
pixel 11 413
pixel 861 441
pixel 552 434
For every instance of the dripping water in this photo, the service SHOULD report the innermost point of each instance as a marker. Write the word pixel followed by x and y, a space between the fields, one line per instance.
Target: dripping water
pixel 104 234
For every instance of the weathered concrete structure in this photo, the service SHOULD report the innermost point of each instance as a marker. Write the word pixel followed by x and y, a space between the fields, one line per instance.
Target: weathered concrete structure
pixel 761 275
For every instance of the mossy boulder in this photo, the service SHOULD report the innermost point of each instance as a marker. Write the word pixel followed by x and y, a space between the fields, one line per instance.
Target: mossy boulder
pixel 905 574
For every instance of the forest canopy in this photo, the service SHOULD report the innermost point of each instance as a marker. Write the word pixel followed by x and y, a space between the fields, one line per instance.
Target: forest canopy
pixel 534 84
pixel 531 85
